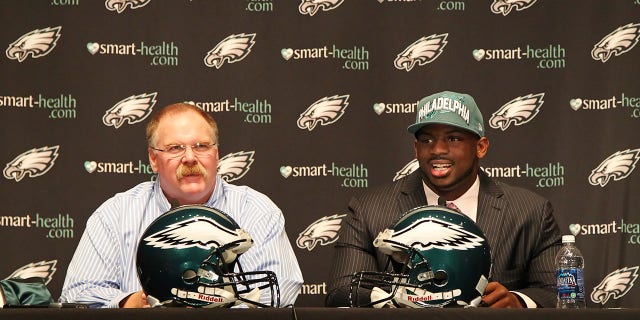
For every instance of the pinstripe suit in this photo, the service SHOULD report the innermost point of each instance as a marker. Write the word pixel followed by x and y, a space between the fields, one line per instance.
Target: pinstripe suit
pixel 518 224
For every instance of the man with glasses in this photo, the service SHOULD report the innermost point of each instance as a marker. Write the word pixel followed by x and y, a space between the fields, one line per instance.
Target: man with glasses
pixel 183 151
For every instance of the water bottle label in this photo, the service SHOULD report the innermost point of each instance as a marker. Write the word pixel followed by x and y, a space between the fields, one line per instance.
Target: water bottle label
pixel 570 284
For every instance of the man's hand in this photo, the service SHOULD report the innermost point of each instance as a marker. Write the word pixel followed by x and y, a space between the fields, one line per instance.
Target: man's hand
pixel 497 296
pixel 135 300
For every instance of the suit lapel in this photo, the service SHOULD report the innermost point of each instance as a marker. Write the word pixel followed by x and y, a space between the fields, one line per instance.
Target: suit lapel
pixel 491 212
pixel 411 193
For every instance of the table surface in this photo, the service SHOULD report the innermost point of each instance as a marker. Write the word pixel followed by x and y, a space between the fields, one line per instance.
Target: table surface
pixel 316 314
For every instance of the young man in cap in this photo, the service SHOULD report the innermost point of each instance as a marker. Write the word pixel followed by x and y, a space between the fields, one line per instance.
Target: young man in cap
pixel 519 225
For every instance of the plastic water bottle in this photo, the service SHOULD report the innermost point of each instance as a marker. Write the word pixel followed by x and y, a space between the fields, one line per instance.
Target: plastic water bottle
pixel 570 275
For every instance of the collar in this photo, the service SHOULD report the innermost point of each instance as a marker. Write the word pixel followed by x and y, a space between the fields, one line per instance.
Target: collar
pixel 467 202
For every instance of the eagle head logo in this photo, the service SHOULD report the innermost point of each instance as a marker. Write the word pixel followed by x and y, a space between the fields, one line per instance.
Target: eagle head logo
pixel 324 112
pixel 505 6
pixel 424 50
pixel 517 111
pixel 235 165
pixel 41 269
pixel 121 5
pixel 615 285
pixel 232 49
pixel 37 43
pixel 322 231
pixel 312 7
pixel 132 110
pixel 425 234
pixel 33 163
pixel 410 167
pixel 617 167
pixel 617 42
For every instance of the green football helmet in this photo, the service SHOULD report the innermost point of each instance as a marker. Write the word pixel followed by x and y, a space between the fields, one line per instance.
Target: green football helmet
pixel 189 257
pixel 438 257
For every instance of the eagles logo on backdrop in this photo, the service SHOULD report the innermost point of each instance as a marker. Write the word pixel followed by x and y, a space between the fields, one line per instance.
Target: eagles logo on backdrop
pixel 408 168
pixel 517 111
pixel 437 258
pixel 132 110
pixel 424 50
pixel 121 5
pixel 322 232
pixel 617 42
pixel 189 257
pixel 232 49
pixel 504 7
pixel 37 43
pixel 235 165
pixel 312 7
pixel 617 167
pixel 323 112
pixel 32 163
pixel 615 285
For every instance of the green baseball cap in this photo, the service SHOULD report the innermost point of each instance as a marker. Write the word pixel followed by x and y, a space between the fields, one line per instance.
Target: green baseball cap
pixel 450 108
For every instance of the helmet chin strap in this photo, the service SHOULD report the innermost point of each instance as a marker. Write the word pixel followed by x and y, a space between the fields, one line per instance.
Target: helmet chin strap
pixel 379 294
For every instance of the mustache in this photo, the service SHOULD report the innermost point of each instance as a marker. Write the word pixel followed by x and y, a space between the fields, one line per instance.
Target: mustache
pixel 194 170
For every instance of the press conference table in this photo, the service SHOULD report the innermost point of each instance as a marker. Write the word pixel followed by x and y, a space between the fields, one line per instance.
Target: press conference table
pixel 316 314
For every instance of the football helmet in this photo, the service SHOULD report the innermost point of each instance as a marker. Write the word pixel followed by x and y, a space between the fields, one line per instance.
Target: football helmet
pixel 189 257
pixel 438 257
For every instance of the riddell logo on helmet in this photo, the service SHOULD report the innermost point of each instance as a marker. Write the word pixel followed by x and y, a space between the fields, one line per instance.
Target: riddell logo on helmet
pixel 209 298
pixel 420 298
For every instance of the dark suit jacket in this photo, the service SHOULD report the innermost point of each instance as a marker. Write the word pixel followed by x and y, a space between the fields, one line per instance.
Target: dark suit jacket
pixel 519 225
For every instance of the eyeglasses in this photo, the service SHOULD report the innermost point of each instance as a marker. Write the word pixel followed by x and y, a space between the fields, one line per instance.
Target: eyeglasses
pixel 178 150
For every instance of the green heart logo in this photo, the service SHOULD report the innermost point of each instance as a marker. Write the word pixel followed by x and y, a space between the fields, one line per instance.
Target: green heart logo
pixel 378 108
pixel 286 53
pixel 93 47
pixel 575 103
pixel 90 166
pixel 574 228
pixel 285 171
pixel 478 54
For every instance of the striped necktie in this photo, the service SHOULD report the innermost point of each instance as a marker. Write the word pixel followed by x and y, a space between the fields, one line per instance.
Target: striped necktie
pixel 443 202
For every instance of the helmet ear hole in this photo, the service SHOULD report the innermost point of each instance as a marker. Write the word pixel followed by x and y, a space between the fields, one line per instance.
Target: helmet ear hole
pixel 440 278
pixel 189 276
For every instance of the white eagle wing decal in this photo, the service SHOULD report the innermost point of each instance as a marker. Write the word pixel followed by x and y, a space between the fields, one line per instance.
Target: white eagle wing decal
pixel 505 6
pixel 132 110
pixel 617 167
pixel 36 43
pixel 322 231
pixel 41 269
pixel 615 285
pixel 517 111
pixel 232 49
pixel 617 42
pixel 121 5
pixel 312 7
pixel 410 167
pixel 324 112
pixel 235 165
pixel 425 234
pixel 423 51
pixel 199 232
pixel 34 163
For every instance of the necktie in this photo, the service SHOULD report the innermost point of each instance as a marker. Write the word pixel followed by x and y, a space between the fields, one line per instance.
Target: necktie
pixel 443 202
pixel 452 205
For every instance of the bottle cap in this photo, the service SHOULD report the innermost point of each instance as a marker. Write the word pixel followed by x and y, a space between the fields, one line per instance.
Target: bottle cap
pixel 568 238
